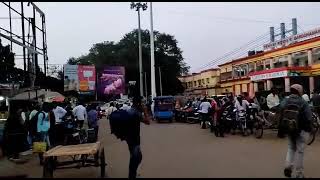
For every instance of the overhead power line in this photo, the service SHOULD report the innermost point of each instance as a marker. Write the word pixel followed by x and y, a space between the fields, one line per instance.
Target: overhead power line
pixel 232 19
pixel 240 49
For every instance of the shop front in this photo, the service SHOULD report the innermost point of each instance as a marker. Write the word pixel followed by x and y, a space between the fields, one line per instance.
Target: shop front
pixel 281 78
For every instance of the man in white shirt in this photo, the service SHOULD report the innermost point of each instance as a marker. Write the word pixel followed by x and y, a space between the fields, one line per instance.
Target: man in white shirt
pixel 80 113
pixel 59 113
pixel 306 97
pixel 204 111
pixel 273 99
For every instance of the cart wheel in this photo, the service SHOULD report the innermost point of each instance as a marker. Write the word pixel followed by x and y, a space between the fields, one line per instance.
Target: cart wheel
pixel 48 168
pixel 102 164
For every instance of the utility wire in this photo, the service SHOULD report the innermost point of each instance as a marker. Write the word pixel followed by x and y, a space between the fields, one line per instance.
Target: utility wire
pixel 227 55
pixel 232 19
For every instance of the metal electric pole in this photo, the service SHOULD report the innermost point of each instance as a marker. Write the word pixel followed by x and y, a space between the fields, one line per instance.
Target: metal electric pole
pixel 144 7
pixel 160 80
pixel 153 77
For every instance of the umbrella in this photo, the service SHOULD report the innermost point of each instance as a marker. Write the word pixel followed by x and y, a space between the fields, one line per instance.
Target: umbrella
pixel 49 96
pixel 52 96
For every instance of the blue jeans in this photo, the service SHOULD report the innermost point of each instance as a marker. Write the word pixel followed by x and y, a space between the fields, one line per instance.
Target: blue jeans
pixel 135 160
pixel 44 137
pixel 295 152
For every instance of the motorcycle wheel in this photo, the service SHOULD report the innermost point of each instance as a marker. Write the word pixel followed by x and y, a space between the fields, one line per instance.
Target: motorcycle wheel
pixel 258 133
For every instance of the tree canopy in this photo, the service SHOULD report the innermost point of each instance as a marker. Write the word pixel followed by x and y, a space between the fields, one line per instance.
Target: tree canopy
pixel 168 56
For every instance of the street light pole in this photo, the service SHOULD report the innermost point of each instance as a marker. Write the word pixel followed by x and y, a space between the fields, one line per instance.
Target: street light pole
pixel 144 7
pixel 140 55
pixel 160 78
pixel 153 78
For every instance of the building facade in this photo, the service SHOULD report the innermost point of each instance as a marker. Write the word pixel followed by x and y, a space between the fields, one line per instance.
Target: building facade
pixel 204 83
pixel 280 68
pixel 297 60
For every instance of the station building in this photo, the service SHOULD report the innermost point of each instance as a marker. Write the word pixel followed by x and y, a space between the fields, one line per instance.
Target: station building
pixel 280 68
pixel 204 83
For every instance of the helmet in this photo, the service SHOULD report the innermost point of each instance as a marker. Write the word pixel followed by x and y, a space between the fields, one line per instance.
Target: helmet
pixel 298 87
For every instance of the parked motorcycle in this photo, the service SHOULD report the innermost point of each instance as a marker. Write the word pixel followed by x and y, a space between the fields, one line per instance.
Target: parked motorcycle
pixel 192 116
pixel 228 117
pixel 242 122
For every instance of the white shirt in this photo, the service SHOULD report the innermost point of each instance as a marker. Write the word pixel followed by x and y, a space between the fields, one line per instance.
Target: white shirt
pixel 244 105
pixel 110 110
pixel 204 107
pixel 80 112
pixel 306 97
pixel 125 107
pixel 272 100
pixel 59 112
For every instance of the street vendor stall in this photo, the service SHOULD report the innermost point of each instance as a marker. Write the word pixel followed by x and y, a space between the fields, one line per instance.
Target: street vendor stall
pixel 82 155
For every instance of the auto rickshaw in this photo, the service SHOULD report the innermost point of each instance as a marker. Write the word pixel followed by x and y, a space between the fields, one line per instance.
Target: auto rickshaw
pixel 164 108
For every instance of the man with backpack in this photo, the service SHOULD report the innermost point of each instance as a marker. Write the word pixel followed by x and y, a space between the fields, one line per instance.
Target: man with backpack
pixel 125 124
pixel 295 121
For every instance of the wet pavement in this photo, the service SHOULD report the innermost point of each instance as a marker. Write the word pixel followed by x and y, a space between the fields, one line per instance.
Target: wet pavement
pixel 185 150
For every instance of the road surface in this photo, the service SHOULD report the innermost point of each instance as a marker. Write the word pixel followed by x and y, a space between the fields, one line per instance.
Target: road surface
pixel 184 150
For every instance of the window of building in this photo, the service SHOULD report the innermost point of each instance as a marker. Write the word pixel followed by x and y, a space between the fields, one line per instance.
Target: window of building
pixel 195 83
pixel 280 62
pixel 316 56
pixel 208 80
pixel 300 59
pixel 203 81
pixel 268 61
pixel 259 66
pixel 251 67
pixel 199 82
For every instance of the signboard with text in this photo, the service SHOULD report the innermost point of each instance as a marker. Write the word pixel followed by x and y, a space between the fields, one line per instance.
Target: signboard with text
pixel 269 75
pixel 80 78
pixel 291 39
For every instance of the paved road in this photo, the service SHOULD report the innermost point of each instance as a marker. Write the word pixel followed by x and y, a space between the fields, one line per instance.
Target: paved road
pixel 184 150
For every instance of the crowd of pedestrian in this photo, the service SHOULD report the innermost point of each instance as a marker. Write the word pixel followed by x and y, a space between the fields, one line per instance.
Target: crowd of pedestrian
pixel 45 122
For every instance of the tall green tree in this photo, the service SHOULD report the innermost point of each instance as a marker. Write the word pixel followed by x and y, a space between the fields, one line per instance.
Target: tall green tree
pixel 168 56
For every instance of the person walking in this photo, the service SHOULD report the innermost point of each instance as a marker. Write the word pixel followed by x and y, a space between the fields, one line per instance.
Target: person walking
pixel 57 132
pixel 295 120
pixel 204 107
pixel 133 136
pixel 43 126
pixel 315 100
pixel 273 99
pixel 81 114
pixel 93 120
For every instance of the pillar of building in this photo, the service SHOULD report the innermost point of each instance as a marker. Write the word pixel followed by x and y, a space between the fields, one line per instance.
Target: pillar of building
pixel 311 84
pixel 254 66
pixel 271 64
pixel 251 89
pixel 287 84
pixel 269 85
pixel 290 63
pixel 255 87
pixel 265 85
pixel 264 65
pixel 310 57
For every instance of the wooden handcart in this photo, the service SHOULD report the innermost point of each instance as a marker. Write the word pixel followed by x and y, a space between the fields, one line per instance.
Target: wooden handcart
pixel 83 155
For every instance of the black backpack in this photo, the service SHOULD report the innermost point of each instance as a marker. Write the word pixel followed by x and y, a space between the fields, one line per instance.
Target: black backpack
pixel 33 123
pixel 290 119
pixel 120 123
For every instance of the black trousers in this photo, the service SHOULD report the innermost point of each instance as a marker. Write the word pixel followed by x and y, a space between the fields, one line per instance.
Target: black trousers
pixel 135 159
pixel 80 123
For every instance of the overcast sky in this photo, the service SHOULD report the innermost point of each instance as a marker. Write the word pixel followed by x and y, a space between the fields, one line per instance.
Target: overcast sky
pixel 204 31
